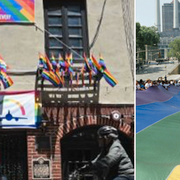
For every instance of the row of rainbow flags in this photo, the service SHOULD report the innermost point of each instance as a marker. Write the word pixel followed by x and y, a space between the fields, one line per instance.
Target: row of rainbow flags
pixel 55 71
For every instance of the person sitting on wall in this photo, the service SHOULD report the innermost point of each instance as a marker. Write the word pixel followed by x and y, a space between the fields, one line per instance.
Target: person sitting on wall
pixel 112 163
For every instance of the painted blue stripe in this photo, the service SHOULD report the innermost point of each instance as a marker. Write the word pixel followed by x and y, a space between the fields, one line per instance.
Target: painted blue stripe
pixel 15 4
pixel 7 11
pixel 148 114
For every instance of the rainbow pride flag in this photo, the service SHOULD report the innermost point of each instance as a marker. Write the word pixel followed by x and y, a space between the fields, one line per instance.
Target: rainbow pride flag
pixel 44 62
pixel 96 64
pixel 69 63
pixel 21 11
pixel 62 64
pixel 51 77
pixel 3 65
pixel 69 59
pixel 5 79
pixel 87 68
pixel 103 69
pixel 53 62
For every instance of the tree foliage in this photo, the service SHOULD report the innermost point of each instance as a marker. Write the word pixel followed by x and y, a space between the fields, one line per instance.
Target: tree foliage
pixel 146 36
pixel 174 49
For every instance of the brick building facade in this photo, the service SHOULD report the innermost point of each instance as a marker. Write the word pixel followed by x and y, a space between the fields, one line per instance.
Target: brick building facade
pixel 71 116
pixel 62 121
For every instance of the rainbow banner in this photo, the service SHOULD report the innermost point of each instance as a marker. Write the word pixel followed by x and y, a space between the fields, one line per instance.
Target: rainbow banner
pixel 20 11
pixel 19 110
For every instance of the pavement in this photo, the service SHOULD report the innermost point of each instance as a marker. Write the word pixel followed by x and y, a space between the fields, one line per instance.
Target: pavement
pixel 153 71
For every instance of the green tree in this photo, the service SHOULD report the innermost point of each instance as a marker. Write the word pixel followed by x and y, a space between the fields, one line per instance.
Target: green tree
pixel 174 49
pixel 146 36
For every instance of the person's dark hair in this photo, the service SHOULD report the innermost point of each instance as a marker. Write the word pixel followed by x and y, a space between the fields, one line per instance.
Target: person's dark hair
pixel 108 131
pixel 141 81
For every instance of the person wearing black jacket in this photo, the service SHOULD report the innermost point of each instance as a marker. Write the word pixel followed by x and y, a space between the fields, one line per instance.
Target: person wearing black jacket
pixel 112 163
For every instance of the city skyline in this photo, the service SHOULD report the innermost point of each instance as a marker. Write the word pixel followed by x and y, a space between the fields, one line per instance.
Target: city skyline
pixel 145 12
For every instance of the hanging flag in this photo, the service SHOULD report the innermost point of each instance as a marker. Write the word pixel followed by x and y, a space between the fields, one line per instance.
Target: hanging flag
pixel 92 66
pixel 69 67
pixel 3 65
pixel 50 70
pixel 69 63
pixel 19 110
pixel 87 68
pixel 62 68
pixel 69 59
pixel 61 63
pixel 106 74
pixel 49 65
pixel 56 68
pixel 44 62
pixel 86 63
pixel 53 62
pixel 5 79
pixel 103 70
pixel 96 64
pixel 51 77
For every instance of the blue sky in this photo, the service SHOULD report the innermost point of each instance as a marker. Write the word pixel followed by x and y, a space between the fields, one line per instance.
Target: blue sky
pixel 145 11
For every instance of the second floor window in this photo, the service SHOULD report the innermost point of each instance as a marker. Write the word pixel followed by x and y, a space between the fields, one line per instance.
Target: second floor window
pixel 66 21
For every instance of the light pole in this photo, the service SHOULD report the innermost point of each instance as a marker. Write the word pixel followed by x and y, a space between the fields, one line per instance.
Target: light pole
pixel 165 78
pixel 146 51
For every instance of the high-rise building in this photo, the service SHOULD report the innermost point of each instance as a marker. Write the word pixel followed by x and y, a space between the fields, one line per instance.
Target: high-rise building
pixel 158 17
pixel 170 16
pixel 167 17
pixel 170 25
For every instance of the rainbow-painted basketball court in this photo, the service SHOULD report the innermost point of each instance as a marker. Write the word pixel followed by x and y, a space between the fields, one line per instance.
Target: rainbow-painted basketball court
pixel 158 133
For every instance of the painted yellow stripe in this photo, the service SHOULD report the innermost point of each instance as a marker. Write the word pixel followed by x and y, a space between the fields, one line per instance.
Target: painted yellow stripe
pixel 25 6
pixel 175 174
pixel 27 15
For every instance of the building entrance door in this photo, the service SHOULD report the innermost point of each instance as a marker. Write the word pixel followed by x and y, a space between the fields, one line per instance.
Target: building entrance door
pixel 13 155
pixel 78 148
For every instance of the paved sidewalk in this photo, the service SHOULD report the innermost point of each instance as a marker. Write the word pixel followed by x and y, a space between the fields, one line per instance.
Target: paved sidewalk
pixel 153 71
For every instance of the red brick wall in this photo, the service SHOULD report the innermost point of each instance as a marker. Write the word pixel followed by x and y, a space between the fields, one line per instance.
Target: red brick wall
pixel 63 119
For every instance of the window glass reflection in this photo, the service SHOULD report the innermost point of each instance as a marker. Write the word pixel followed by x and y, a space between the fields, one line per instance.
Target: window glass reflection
pixel 74 10
pixel 55 20
pixel 55 30
pixel 54 43
pixel 75 31
pixel 73 21
pixel 75 42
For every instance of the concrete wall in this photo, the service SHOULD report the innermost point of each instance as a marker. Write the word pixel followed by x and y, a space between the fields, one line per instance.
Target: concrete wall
pixel 111 42
pixel 19 48
pixel 20 45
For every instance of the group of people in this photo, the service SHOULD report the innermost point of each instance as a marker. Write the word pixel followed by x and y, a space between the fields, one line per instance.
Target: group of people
pixel 143 85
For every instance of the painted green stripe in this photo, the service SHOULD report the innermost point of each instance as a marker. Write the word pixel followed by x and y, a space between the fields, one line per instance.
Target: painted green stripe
pixel 14 10
pixel 158 149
